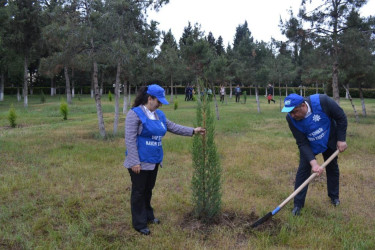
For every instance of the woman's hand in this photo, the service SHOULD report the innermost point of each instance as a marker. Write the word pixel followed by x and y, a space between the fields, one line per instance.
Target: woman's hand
pixel 199 130
pixel 136 169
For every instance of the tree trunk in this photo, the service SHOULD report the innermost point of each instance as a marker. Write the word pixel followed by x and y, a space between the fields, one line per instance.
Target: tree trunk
pixel 171 98
pixel 335 83
pixel 125 104
pixel 257 97
pixel 18 94
pixel 25 83
pixel 317 86
pixel 67 85
pixel 300 91
pixel 2 83
pixel 101 84
pixel 129 95
pixel 324 89
pixel 230 90
pixel 280 95
pixel 99 111
pixel 73 83
pixel 216 106
pixel 117 97
pixel 286 89
pixel 31 84
pixel 346 91
pixel 92 86
pixel 53 90
pixel 351 101
pixel 362 101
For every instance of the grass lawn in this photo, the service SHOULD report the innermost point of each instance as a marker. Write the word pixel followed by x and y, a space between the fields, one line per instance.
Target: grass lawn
pixel 62 187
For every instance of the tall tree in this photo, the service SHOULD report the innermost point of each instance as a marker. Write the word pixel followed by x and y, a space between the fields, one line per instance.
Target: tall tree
pixel 4 50
pixel 219 46
pixel 357 46
pixel 244 53
pixel 329 20
pixel 169 59
pixel 63 36
pixel 242 32
pixel 195 51
pixel 91 12
pixel 26 29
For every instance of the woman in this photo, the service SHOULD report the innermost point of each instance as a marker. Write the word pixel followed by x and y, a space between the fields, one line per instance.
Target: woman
pixel 270 93
pixel 222 93
pixel 145 126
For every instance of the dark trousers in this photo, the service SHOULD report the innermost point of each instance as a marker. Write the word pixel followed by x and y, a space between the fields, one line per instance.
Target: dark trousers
pixel 304 172
pixel 222 98
pixel 238 97
pixel 142 185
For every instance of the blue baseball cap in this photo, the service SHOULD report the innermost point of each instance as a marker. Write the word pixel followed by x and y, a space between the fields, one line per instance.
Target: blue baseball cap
pixel 291 101
pixel 158 92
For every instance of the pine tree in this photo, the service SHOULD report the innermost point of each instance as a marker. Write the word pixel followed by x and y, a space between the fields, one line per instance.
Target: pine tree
pixel 206 181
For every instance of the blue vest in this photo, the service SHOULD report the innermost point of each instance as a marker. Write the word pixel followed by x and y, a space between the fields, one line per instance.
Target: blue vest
pixel 316 127
pixel 149 141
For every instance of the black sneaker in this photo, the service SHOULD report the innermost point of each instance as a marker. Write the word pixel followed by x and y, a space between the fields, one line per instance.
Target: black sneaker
pixel 296 211
pixel 335 202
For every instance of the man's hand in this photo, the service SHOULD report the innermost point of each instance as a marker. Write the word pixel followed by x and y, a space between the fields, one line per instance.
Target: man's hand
pixel 341 146
pixel 316 168
pixel 136 169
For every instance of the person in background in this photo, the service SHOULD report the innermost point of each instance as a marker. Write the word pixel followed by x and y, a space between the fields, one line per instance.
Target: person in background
pixel 145 127
pixel 190 93
pixel 209 94
pixel 187 93
pixel 319 125
pixel 237 92
pixel 270 94
pixel 222 93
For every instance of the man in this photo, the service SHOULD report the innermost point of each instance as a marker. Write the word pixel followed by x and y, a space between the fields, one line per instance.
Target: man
pixel 319 125
pixel 237 92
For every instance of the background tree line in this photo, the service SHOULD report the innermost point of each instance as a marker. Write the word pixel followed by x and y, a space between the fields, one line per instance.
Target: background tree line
pixel 97 43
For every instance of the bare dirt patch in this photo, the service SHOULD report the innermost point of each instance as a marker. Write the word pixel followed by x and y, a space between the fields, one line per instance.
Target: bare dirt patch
pixel 232 220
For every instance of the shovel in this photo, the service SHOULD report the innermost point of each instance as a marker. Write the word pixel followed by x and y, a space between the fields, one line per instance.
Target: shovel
pixel 279 207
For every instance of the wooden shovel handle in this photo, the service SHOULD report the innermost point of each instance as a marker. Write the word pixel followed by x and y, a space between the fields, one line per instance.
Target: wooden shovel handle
pixel 308 180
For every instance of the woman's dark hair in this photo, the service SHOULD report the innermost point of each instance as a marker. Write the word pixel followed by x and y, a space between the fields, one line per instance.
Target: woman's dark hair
pixel 142 97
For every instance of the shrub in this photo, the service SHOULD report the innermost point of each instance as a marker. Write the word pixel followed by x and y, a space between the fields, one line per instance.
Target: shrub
pixel 12 116
pixel 64 110
pixel 175 103
pixel 110 96
pixel 206 180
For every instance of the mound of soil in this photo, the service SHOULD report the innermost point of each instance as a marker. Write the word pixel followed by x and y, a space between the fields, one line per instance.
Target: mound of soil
pixel 231 220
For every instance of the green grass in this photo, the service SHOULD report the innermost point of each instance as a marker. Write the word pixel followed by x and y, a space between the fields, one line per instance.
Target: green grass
pixel 61 186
